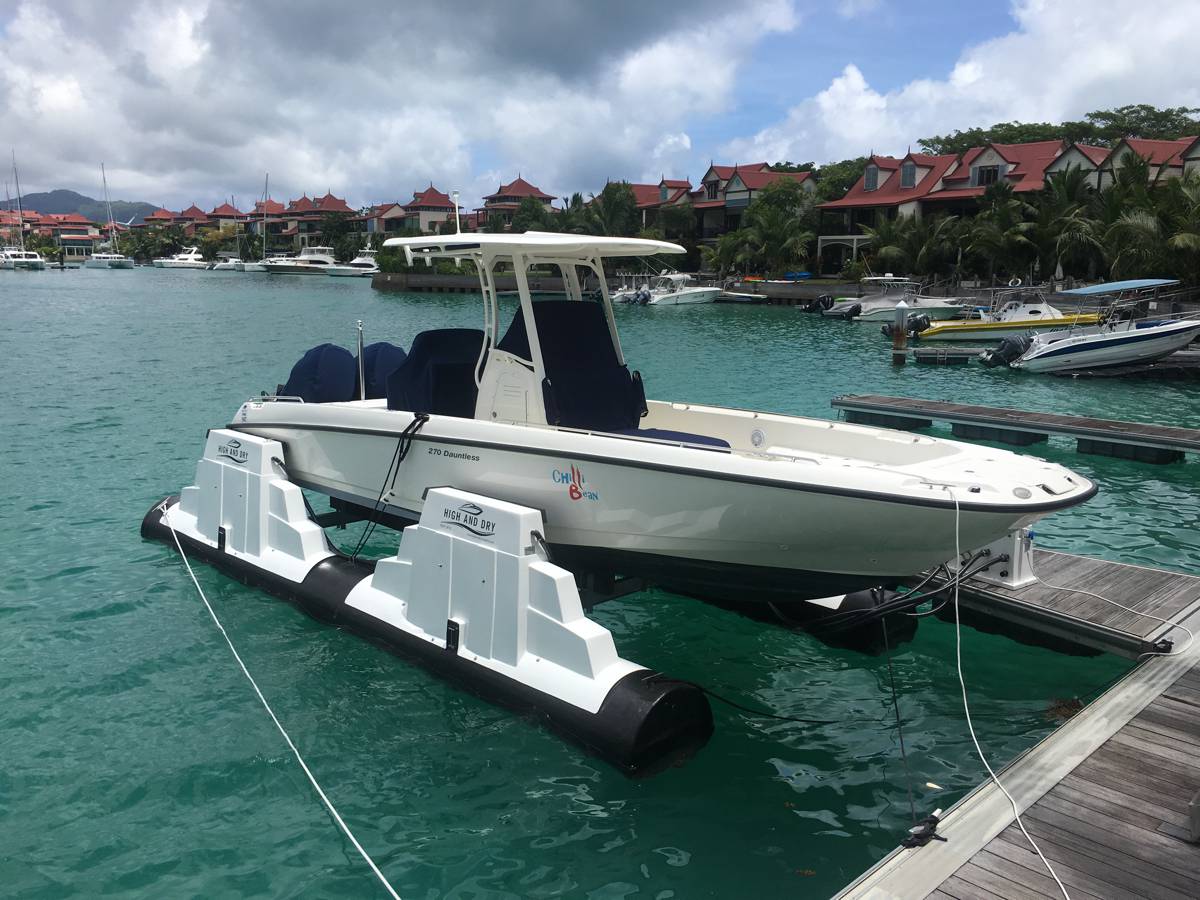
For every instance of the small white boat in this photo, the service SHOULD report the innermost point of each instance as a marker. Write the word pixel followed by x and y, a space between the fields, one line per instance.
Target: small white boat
pixel 245 266
pixel 311 261
pixel 362 266
pixel 13 258
pixel 105 260
pixel 880 295
pixel 1113 343
pixel 678 289
pixel 188 258
pixel 1012 312
pixel 232 264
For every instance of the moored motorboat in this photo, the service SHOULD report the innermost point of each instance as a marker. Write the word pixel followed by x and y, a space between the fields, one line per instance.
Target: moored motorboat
pixel 188 258
pixel 311 261
pixel 105 260
pixel 1116 342
pixel 362 266
pixel 723 504
pixel 1011 312
pixel 881 293
pixel 233 264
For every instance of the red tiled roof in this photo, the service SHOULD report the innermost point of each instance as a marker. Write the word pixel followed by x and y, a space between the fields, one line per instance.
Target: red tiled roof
pixel 889 192
pixel 725 172
pixel 193 212
pixel 758 180
pixel 330 203
pixel 161 215
pixel 225 210
pixel 519 188
pixel 646 194
pixel 274 207
pixel 676 183
pixel 1096 154
pixel 430 197
pixel 301 205
pixel 1160 152
pixel 67 219
pixel 707 204
pixel 1028 173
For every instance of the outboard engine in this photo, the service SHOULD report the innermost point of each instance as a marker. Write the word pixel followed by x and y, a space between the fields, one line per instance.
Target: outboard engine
pixel 825 301
pixel 914 325
pixel 1009 351
pixel 642 297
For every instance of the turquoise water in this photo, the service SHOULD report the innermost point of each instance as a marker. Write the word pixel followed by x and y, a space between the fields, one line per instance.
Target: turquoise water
pixel 136 760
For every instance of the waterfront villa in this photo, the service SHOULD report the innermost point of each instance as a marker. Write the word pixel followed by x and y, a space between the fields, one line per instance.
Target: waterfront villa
pixel 726 191
pixel 428 210
pixel 503 204
pixel 653 197
pixel 1164 157
pixel 1080 156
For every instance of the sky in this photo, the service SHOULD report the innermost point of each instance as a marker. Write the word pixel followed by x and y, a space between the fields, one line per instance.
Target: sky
pixel 196 102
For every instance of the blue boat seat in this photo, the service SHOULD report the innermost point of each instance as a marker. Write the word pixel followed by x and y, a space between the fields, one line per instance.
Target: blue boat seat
pixel 325 374
pixel 663 434
pixel 586 386
pixel 438 376
pixel 379 361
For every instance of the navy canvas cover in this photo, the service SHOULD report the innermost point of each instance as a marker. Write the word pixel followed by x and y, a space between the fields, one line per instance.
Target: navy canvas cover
pixel 325 374
pixel 586 385
pixel 438 377
pixel 379 361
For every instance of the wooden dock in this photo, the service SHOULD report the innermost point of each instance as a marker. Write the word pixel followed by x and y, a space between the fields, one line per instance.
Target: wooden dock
pixel 1081 619
pixel 1107 797
pixel 1140 441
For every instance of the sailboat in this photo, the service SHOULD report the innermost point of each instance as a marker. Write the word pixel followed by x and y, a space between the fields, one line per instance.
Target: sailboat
pixel 259 266
pixel 112 259
pixel 17 257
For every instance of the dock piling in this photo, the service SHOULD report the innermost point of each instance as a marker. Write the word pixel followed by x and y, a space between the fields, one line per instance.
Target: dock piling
pixel 900 335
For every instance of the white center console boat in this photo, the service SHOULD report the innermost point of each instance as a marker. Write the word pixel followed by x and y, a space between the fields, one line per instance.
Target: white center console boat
pixel 540 408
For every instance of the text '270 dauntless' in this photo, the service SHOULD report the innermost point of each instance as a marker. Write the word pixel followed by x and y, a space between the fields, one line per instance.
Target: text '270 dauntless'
pixel 540 408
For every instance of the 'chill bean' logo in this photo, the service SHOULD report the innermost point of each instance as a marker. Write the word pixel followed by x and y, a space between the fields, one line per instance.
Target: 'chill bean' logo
pixel 576 484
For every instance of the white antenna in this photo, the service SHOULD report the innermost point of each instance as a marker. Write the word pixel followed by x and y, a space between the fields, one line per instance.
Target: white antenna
pixel 454 197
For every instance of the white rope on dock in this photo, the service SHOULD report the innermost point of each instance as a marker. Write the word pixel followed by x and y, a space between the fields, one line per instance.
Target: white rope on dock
pixel 267 706
pixel 967 708
pixel 1173 652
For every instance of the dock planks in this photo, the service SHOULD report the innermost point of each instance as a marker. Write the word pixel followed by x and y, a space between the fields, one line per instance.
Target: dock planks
pixel 1069 615
pixel 1136 440
pixel 1106 797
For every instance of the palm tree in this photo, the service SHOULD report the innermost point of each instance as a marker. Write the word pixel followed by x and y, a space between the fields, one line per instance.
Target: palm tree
pixel 1063 204
pixel 1002 233
pixel 775 238
pixel 915 245
pixel 725 254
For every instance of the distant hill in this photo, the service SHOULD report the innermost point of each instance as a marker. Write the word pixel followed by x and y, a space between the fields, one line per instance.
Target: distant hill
pixel 63 201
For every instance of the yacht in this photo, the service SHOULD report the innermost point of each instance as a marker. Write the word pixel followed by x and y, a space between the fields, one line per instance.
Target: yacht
pixel 188 258
pixel 1011 312
pixel 541 408
pixel 20 258
pixel 881 293
pixel 108 260
pixel 362 266
pixel 311 261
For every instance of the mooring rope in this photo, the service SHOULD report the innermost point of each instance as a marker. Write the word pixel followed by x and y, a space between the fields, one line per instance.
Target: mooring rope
pixel 337 817
pixel 967 707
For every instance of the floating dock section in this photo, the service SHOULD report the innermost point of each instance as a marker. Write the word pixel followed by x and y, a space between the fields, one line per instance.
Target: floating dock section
pixel 1110 798
pixel 1139 441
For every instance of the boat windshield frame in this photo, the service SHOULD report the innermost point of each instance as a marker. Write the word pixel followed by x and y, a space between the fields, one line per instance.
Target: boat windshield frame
pixel 568 252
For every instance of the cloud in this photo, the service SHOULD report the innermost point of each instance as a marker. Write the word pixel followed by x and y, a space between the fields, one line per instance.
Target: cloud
pixel 194 101
pixel 852 9
pixel 1061 60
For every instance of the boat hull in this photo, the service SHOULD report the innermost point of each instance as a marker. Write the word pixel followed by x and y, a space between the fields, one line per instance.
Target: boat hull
pixel 250 267
pixel 108 264
pixel 1120 348
pixel 179 264
pixel 349 272
pixel 697 528
pixel 293 269
pixel 687 297
pixel 33 265
pixel 888 313
pixel 987 331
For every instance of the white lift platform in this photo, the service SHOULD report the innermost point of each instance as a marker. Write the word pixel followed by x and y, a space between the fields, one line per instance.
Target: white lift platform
pixel 468 594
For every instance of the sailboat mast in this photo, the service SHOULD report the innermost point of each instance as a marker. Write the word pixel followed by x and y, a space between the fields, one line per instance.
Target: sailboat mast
pixel 266 194
pixel 112 225
pixel 20 211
